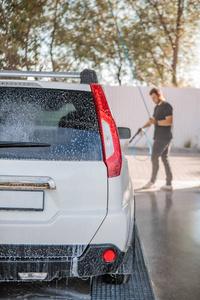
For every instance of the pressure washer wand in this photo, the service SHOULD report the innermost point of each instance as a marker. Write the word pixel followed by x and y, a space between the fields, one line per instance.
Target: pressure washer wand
pixel 139 130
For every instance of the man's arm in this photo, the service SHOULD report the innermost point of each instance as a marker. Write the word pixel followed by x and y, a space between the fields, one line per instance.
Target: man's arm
pixel 168 121
pixel 150 122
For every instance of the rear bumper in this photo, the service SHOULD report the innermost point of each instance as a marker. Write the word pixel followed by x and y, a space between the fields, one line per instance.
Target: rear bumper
pixel 90 263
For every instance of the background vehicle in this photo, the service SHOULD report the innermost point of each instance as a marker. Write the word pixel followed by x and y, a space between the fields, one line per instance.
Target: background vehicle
pixel 66 200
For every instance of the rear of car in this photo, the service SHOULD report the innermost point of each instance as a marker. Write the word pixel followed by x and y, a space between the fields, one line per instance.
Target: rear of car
pixel 66 201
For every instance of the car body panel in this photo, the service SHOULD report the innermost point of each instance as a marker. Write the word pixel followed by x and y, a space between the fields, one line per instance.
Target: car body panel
pixel 120 217
pixel 72 212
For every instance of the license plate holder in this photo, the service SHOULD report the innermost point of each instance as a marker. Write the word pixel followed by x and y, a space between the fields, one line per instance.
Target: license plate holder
pixel 21 200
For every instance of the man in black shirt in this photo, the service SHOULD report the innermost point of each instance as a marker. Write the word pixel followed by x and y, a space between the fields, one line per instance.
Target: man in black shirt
pixel 163 120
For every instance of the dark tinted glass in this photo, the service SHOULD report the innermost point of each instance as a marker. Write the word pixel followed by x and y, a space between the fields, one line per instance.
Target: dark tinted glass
pixel 65 120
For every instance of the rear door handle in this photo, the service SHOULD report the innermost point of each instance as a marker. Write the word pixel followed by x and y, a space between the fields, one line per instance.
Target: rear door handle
pixel 27 183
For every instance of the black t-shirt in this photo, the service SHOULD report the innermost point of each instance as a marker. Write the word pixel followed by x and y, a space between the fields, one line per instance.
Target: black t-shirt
pixel 160 112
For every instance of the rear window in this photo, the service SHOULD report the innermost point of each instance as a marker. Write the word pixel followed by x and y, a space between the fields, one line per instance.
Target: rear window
pixel 48 124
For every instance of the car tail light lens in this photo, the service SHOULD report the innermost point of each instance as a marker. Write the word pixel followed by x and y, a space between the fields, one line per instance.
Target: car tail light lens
pixel 109 255
pixel 109 133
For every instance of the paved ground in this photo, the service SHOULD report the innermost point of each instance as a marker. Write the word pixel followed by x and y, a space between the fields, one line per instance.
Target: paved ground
pixel 169 225
pixel 185 168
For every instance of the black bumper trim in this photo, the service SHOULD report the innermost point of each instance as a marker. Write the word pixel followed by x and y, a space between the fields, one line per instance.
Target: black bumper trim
pixel 90 263
pixel 40 251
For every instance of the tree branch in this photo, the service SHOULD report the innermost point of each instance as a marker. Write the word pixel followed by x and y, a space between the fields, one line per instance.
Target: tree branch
pixel 176 44
pixel 53 35
pixel 26 46
pixel 162 22
pixel 6 51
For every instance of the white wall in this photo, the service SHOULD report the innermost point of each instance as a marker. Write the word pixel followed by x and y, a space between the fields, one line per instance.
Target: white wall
pixel 129 111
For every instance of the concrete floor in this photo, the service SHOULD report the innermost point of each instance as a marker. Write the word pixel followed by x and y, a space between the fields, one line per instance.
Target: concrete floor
pixel 169 231
pixel 169 227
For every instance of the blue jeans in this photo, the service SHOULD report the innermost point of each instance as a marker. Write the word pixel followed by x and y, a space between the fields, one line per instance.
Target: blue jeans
pixel 161 148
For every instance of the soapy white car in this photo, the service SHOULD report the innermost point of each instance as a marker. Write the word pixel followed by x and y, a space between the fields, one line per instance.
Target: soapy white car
pixel 66 199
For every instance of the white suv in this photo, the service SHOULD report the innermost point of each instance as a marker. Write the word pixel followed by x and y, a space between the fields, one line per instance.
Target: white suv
pixel 66 199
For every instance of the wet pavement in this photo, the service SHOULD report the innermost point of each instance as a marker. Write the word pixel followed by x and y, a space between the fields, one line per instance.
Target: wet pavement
pixel 72 289
pixel 169 225
pixel 169 230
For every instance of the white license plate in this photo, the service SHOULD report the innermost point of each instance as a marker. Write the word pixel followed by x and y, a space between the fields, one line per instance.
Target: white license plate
pixel 22 200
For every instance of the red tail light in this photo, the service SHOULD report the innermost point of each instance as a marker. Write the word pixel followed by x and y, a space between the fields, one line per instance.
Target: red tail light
pixel 109 255
pixel 109 133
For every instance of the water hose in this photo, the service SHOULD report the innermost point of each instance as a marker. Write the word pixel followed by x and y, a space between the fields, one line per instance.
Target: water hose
pixel 132 70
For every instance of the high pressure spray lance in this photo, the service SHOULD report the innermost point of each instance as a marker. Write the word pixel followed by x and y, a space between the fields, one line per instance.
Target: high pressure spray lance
pixel 139 130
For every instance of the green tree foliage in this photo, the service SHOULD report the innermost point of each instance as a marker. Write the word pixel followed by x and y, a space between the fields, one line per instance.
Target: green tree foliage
pixel 20 23
pixel 90 34
pixel 163 32
pixel 60 35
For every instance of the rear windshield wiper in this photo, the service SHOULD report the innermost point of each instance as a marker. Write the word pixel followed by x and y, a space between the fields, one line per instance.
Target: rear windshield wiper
pixel 22 144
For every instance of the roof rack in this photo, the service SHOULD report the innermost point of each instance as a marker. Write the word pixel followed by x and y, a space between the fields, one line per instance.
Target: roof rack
pixel 86 76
